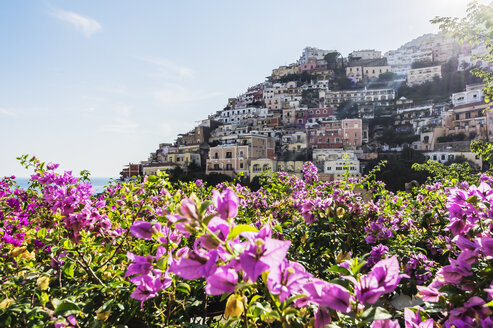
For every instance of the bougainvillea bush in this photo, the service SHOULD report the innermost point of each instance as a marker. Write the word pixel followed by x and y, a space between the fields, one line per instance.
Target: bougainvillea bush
pixel 295 253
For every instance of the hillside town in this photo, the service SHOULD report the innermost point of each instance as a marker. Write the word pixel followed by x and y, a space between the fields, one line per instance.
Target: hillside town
pixel 341 113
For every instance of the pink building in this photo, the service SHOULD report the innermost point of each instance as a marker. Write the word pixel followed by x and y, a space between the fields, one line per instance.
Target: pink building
pixel 312 115
pixel 313 65
pixel 336 134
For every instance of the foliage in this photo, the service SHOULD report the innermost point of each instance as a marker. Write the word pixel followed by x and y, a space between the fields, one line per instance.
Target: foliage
pixel 475 28
pixel 452 137
pixel 422 64
pixel 387 76
pixel 293 253
pixel 438 90
pixel 310 98
pixel 347 109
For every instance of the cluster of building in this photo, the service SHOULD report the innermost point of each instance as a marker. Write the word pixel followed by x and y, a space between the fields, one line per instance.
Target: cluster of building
pixel 279 124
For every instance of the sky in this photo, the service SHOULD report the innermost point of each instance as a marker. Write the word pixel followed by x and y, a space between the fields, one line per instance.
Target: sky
pixel 95 85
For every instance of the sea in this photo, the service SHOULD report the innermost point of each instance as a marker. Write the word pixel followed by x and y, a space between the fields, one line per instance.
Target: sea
pixel 99 184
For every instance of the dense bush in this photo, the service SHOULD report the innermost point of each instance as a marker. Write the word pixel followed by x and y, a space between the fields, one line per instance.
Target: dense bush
pixel 295 253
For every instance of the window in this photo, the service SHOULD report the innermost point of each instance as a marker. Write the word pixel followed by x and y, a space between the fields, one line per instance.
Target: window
pixel 229 154
pixel 457 116
pixel 241 165
pixel 216 166
pixel 241 153
pixel 468 115
pixel 229 167
pixel 443 157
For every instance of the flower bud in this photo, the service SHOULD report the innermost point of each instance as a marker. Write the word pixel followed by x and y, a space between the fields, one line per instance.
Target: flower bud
pixel 234 306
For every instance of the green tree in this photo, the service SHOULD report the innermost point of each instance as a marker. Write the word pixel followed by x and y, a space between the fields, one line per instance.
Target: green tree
pixel 475 28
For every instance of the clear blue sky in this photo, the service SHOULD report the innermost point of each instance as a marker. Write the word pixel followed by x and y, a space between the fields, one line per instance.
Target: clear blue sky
pixel 98 84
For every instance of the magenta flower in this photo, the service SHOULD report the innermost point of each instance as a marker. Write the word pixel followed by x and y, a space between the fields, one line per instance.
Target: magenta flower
pixel 321 317
pixel 263 254
pixel 383 278
pixel 368 290
pixel 490 291
pixel 226 203
pixel 142 229
pixel 429 294
pixel 195 264
pixel 189 209
pixel 287 279
pixel 469 313
pixel 486 245
pixel 143 265
pixel 222 281
pixel 413 320
pixel 148 286
pixel 327 294
pixel 220 228
pixel 454 272
pixel 52 166
pixel 385 323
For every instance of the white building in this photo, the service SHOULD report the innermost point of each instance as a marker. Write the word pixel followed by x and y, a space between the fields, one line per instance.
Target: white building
pixel 366 54
pixel 333 98
pixel 418 76
pixel 310 52
pixel 473 93
pixel 336 163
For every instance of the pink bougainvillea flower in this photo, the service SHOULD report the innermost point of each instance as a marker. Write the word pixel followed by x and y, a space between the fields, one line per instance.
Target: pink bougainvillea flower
pixel 223 280
pixel 226 203
pixel 327 294
pixel 194 264
pixel 413 320
pixel 262 254
pixel 385 323
pixel 287 279
pixel 321 317
pixel 142 229
pixel 429 294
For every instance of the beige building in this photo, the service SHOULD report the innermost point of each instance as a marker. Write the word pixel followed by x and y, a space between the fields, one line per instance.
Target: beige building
pixel 265 166
pixel 373 72
pixel 355 72
pixel 285 70
pixel 295 141
pixel 418 76
pixel 469 119
pixel 151 169
pixel 337 163
pixel 291 167
pixel 183 159
pixel 234 158
pixel 448 156
pixel 366 54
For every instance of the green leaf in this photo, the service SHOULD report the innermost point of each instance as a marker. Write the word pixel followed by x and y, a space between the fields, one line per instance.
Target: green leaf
pixel 341 270
pixel 41 233
pixel 375 313
pixel 184 288
pixel 152 178
pixel 66 307
pixel 204 206
pixel 68 269
pixel 473 199
pixel 240 229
